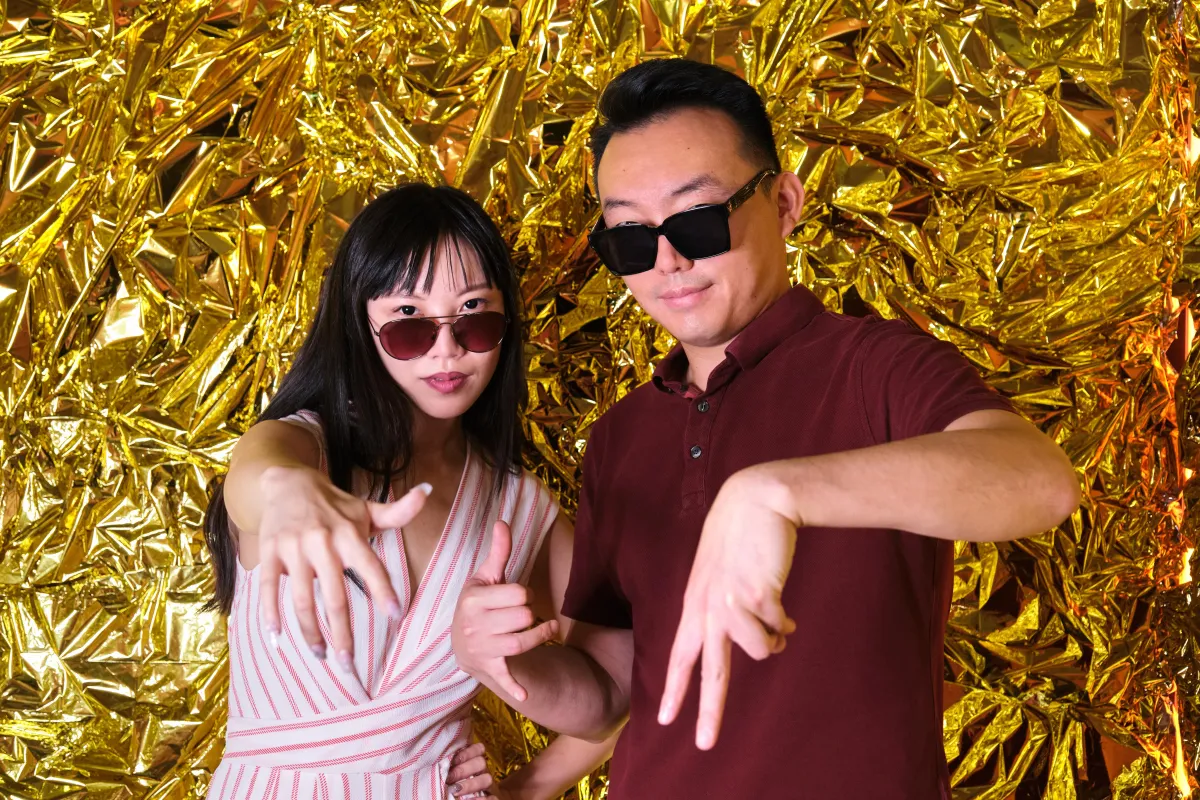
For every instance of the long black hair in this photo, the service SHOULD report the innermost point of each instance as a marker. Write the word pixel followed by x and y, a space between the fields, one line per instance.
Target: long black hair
pixel 367 418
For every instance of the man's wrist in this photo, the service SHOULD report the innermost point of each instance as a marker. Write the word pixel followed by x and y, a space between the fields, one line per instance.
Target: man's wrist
pixel 771 484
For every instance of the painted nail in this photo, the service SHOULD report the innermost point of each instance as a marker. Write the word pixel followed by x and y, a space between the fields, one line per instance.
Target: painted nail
pixel 393 610
pixel 318 650
pixel 274 637
pixel 346 660
pixel 664 714
pixel 425 488
pixel 456 789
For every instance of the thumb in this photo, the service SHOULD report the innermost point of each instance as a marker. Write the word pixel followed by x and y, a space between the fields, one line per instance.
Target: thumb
pixel 398 513
pixel 492 569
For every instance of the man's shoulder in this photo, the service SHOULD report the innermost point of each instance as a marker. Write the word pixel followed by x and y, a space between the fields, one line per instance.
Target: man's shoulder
pixel 831 332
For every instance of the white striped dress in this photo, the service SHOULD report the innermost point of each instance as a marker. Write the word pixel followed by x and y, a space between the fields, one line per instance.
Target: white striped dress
pixel 301 728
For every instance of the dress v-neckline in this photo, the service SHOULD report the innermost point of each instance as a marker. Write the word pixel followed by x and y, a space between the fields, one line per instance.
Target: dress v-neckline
pixel 417 591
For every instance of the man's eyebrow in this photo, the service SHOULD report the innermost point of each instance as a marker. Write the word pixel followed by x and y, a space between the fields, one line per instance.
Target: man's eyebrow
pixel 705 181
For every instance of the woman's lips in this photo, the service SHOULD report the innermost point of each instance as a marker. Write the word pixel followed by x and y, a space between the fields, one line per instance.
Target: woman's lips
pixel 446 382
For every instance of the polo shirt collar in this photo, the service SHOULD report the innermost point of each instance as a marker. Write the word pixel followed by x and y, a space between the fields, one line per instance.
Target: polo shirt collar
pixel 783 318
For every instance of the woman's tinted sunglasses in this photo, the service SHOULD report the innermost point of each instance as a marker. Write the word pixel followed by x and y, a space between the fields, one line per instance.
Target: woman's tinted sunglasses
pixel 700 232
pixel 409 338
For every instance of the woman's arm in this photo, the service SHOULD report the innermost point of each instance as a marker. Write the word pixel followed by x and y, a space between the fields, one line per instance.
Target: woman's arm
pixel 567 759
pixel 292 520
pixel 268 447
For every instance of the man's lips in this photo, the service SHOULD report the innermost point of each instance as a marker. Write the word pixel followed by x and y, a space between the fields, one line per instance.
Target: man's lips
pixel 682 296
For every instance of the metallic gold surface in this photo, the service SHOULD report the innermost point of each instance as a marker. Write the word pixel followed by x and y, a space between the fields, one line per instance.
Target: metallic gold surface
pixel 1017 177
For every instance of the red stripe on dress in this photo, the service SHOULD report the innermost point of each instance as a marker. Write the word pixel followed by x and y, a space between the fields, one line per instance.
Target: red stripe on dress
pixel 523 577
pixel 349 716
pixel 370 643
pixel 224 781
pixel 270 654
pixel 440 663
pixel 429 648
pixel 348 738
pixel 428 744
pixel 324 788
pixel 287 663
pixel 231 640
pixel 250 646
pixel 271 792
pixel 450 573
pixel 328 670
pixel 304 662
pixel 390 622
pixel 367 786
pixel 241 659
pixel 420 591
pixel 519 548
pixel 357 737
pixel 346 785
pixel 253 778
pixel 237 782
pixel 295 786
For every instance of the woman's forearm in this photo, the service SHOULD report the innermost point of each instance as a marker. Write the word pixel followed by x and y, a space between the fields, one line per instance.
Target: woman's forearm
pixel 268 445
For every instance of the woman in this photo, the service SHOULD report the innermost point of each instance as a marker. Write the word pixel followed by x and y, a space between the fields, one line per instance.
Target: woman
pixel 382 469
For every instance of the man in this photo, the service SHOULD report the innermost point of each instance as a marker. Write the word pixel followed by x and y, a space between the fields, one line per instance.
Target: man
pixel 790 476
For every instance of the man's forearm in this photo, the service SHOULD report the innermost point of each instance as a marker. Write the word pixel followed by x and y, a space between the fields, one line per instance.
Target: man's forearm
pixel 987 484
pixel 560 766
pixel 567 692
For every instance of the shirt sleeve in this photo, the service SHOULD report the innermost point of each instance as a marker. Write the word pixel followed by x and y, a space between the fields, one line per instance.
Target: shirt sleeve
pixel 593 594
pixel 914 384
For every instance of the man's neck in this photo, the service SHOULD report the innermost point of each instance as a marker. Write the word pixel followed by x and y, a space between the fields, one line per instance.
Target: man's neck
pixel 701 363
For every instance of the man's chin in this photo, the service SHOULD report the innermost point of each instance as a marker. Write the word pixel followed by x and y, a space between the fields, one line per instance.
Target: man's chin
pixel 697 333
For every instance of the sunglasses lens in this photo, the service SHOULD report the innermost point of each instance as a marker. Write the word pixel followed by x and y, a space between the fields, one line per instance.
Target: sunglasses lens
pixel 699 233
pixel 405 339
pixel 626 250
pixel 480 332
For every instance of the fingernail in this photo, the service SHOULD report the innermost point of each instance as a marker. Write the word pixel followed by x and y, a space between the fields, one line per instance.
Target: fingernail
pixel 664 714
pixel 705 739
pixel 425 488
pixel 393 610
pixel 456 789
pixel 318 650
pixel 274 637
pixel 346 660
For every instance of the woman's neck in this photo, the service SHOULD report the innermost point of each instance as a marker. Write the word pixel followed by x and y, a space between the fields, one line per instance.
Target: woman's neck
pixel 437 445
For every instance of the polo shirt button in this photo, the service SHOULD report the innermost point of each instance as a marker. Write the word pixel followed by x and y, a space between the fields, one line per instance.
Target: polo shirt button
pixel 702 406
pixel 696 451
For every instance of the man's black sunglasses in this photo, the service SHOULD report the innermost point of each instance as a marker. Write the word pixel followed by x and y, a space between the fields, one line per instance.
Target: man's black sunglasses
pixel 700 232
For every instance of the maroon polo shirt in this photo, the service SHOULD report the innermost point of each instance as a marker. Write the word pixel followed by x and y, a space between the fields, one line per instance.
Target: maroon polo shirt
pixel 852 708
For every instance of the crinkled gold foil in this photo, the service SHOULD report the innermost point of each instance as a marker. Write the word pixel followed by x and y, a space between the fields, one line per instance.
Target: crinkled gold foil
pixel 1017 178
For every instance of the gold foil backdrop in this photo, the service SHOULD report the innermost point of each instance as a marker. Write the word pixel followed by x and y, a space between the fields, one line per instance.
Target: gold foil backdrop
pixel 1015 176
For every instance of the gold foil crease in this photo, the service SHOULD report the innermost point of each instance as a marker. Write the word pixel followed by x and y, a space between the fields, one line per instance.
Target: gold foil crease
pixel 1018 178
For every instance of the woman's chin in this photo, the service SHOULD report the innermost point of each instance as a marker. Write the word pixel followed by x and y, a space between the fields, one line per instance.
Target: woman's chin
pixel 441 406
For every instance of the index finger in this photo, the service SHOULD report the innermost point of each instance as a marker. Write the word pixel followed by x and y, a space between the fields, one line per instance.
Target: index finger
pixel 714 684
pixel 684 652
pixel 359 556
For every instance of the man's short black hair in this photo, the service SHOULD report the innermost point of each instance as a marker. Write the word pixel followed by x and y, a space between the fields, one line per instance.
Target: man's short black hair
pixel 652 90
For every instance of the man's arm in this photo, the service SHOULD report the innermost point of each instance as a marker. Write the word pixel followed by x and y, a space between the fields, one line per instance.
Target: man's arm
pixel 990 476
